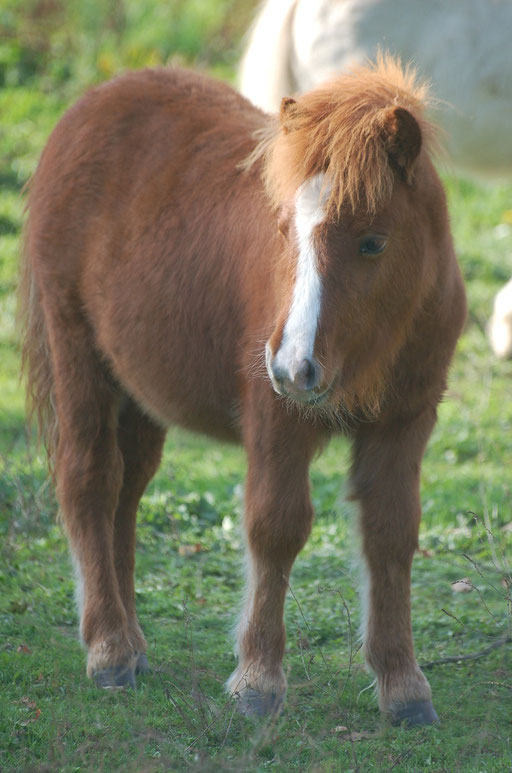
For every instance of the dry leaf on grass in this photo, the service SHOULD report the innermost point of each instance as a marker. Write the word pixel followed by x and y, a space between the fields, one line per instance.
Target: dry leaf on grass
pixel 34 718
pixel 30 704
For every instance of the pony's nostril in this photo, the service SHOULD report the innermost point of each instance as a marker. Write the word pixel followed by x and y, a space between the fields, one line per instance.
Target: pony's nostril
pixel 308 375
pixel 278 374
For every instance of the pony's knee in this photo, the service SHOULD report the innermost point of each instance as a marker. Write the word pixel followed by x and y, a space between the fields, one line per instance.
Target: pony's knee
pixel 278 532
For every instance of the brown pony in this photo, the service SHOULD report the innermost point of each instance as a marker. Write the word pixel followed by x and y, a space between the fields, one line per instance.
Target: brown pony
pixel 179 240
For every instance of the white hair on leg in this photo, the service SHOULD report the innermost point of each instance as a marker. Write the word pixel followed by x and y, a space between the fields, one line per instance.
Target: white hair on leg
pixel 79 590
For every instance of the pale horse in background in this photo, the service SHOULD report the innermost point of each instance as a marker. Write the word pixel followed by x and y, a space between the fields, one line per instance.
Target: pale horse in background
pixel 463 47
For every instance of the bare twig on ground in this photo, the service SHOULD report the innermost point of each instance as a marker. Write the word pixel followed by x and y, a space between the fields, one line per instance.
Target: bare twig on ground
pixel 472 656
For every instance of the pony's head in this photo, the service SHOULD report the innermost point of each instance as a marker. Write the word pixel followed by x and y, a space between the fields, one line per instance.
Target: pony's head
pixel 364 224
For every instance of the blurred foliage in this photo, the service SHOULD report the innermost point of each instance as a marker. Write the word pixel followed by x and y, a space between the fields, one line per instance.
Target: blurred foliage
pixel 84 41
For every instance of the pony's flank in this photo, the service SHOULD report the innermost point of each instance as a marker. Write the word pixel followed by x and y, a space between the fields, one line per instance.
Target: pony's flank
pixel 336 129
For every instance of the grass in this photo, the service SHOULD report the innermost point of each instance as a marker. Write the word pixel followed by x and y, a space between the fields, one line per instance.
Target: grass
pixel 180 718
pixel 189 573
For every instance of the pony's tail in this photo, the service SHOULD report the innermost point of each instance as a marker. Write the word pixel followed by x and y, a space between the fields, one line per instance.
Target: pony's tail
pixel 264 75
pixel 36 363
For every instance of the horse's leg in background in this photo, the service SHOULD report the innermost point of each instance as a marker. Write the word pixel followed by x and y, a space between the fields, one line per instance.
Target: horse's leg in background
pixel 140 441
pixel 385 480
pixel 89 473
pixel 278 517
pixel 500 324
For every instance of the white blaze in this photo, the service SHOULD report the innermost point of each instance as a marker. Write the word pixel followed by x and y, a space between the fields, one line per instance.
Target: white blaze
pixel 300 329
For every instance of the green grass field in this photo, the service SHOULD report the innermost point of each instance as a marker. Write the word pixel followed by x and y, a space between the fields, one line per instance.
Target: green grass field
pixel 189 571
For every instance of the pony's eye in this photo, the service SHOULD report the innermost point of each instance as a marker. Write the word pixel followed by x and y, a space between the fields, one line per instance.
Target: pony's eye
pixel 372 244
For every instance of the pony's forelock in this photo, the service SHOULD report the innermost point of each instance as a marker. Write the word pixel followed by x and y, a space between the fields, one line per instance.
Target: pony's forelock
pixel 336 129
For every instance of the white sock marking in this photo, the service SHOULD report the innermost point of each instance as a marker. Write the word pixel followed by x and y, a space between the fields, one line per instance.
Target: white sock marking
pixel 79 590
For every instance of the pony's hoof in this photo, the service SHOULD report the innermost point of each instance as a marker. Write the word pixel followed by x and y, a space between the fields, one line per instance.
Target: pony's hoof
pixel 116 676
pixel 252 703
pixel 414 714
pixel 142 665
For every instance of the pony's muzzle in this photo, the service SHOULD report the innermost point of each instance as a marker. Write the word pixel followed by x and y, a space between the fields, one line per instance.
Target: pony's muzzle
pixel 298 379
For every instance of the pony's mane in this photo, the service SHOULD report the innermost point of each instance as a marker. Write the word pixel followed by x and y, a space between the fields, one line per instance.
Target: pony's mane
pixel 338 129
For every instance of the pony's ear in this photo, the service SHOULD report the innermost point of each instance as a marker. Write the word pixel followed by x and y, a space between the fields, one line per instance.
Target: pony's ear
pixel 402 140
pixel 288 113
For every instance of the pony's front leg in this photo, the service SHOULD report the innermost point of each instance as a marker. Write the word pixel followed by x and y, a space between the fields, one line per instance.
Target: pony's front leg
pixel 278 517
pixel 385 481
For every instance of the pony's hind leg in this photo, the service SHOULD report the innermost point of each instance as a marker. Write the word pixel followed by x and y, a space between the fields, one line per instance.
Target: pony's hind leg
pixel 140 441
pixel 89 473
pixel 278 518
